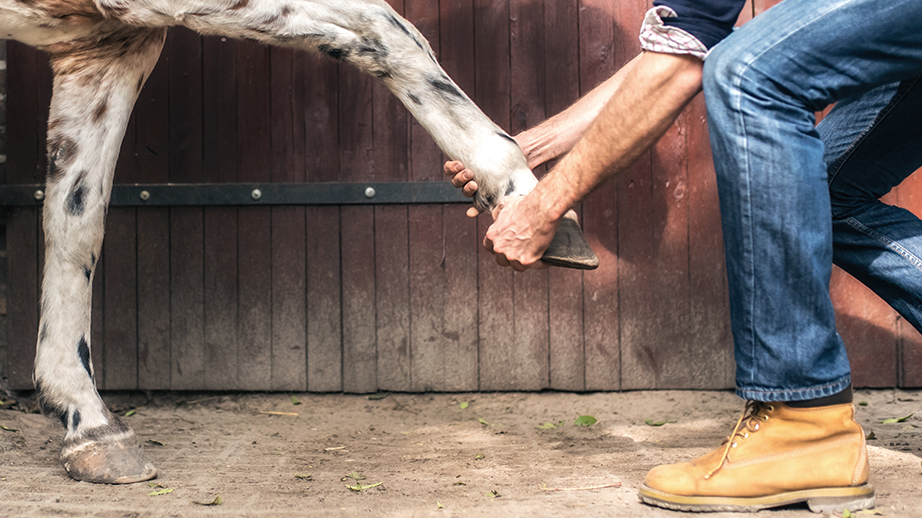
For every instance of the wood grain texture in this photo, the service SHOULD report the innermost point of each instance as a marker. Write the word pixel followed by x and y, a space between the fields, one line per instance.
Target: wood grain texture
pixel 600 215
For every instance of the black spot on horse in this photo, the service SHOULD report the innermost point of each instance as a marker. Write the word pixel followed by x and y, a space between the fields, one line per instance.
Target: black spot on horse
pixel 507 137
pixel 60 151
pixel 382 74
pixel 396 23
pixel 445 87
pixel 100 110
pixel 93 259
pixel 87 272
pixel 48 408
pixel 76 202
pixel 83 351
pixel 74 419
pixel 333 52
pixel 414 99
pixel 510 188
pixel 373 46
pixel 43 334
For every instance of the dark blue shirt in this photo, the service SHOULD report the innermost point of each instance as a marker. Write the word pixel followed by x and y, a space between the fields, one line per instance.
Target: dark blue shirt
pixel 708 20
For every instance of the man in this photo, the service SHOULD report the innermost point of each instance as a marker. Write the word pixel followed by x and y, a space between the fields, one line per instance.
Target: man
pixel 779 180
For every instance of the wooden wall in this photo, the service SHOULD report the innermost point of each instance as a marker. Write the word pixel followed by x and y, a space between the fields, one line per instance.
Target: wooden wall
pixel 402 298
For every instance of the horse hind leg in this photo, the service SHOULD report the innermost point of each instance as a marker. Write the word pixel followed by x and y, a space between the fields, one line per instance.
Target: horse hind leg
pixel 95 86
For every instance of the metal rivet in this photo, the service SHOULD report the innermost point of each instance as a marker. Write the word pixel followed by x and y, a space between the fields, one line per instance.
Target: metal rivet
pixel 256 194
pixel 144 195
pixel 370 192
pixel 39 195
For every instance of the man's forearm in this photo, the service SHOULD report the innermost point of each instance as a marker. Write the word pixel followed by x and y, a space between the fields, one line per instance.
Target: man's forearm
pixel 558 134
pixel 645 102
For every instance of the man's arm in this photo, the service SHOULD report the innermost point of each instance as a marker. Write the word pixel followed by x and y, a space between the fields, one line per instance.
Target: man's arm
pixel 643 106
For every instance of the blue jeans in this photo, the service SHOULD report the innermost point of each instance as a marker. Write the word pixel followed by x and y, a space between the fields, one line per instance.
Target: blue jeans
pixel 793 196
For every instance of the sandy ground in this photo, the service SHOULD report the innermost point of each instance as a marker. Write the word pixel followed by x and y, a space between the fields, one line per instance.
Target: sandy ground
pixel 430 456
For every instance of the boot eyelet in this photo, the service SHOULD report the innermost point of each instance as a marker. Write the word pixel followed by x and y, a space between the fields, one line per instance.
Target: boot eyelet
pixel 756 426
pixel 765 418
pixel 746 435
pixel 733 445
pixel 771 408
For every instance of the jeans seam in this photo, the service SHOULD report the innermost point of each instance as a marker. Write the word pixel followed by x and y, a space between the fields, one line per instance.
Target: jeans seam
pixel 846 378
pixel 892 104
pixel 886 241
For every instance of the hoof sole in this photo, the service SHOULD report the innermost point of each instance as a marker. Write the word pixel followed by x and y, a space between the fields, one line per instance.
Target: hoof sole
pixel 569 248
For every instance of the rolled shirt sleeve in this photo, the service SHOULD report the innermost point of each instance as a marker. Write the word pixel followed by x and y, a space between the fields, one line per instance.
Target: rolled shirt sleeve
pixel 688 26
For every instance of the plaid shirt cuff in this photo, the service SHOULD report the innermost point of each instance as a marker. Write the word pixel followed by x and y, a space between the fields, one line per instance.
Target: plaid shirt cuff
pixel 656 36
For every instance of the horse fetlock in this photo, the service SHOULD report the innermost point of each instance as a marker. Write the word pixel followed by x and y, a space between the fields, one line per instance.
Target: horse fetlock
pixel 108 454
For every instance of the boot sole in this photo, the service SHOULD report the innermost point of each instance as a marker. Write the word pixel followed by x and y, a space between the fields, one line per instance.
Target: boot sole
pixel 824 500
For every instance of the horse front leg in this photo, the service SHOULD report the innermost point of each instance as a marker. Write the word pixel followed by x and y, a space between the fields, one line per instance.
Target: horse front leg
pixel 371 36
pixel 95 85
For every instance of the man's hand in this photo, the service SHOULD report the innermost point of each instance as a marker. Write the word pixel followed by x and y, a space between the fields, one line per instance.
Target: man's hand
pixel 520 233
pixel 463 179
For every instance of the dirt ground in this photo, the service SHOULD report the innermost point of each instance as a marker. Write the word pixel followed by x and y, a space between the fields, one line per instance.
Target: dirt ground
pixel 423 454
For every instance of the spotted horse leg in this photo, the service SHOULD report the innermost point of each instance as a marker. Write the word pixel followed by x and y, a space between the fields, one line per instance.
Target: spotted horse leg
pixel 96 82
pixel 374 38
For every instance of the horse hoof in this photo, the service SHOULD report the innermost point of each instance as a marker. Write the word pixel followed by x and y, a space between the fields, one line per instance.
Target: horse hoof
pixel 113 458
pixel 569 248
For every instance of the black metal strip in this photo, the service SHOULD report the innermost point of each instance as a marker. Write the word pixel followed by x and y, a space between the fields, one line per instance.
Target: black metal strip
pixel 172 195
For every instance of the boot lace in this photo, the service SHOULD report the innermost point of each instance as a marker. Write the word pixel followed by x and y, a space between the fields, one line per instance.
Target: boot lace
pixel 753 415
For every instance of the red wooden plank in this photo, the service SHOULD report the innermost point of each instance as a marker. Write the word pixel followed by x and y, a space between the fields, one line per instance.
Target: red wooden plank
pixel 600 214
pixel 527 51
pixel 358 299
pixel 219 150
pixel 567 351
pixel 392 298
pixel 356 144
pixel 22 267
pixel 709 310
pixel 320 80
pixel 187 353
pixel 636 248
pixel 254 327
pixel 289 318
pixel 492 80
pixel 153 227
pixel 186 224
pixel 23 154
pixel 392 292
pixel 459 325
pixel 324 301
pixel 120 319
pixel 254 369
pixel 24 149
pixel 154 345
pixel 678 363
pixel 220 298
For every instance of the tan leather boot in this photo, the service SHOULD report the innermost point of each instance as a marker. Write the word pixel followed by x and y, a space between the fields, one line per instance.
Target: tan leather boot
pixel 777 455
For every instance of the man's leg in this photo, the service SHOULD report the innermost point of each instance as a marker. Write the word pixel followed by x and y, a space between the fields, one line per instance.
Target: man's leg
pixel 762 86
pixel 872 145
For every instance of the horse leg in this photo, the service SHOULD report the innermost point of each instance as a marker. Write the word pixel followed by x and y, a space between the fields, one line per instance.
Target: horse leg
pixel 371 36
pixel 96 82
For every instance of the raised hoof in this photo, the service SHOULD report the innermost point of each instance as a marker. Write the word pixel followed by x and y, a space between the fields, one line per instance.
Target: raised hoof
pixel 112 459
pixel 569 248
